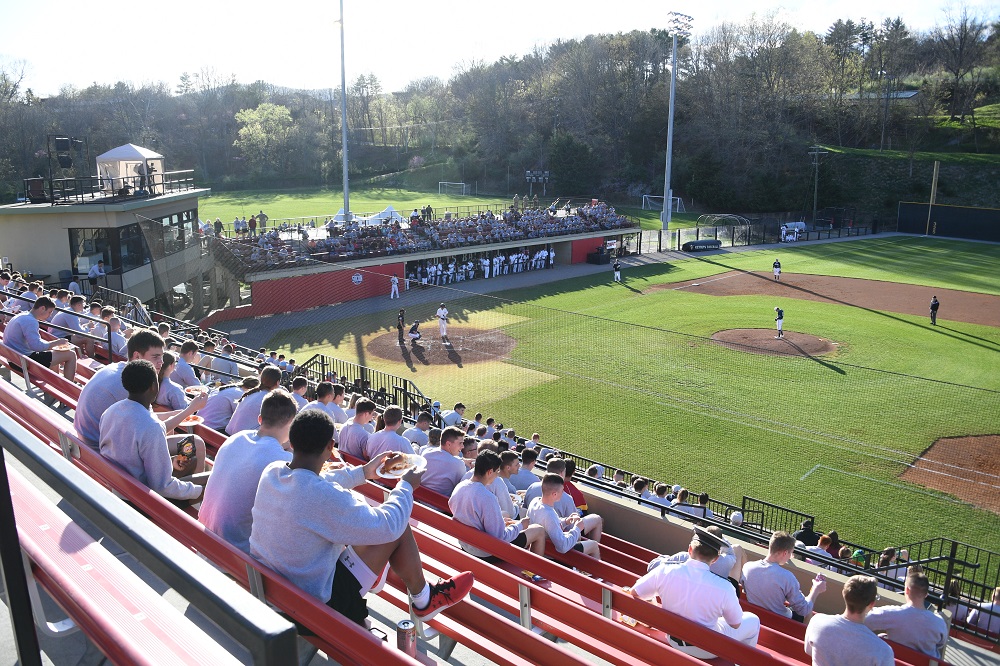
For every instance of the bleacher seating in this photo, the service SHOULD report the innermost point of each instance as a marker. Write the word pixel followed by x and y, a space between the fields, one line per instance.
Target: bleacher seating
pixel 579 599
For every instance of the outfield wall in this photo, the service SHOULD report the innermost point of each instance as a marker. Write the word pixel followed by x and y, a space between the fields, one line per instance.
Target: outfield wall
pixel 949 221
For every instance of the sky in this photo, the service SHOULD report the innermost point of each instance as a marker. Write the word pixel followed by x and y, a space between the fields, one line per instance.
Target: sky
pixel 296 43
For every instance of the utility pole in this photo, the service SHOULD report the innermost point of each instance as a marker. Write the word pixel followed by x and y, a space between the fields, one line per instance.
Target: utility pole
pixel 679 26
pixel 343 118
pixel 816 152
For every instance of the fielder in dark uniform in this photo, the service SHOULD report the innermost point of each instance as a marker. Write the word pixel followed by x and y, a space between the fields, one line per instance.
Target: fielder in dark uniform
pixel 776 266
pixel 935 304
pixel 618 271
pixel 779 320
pixel 401 324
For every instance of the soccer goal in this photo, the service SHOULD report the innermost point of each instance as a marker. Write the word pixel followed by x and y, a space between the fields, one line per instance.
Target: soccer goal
pixel 652 202
pixel 460 189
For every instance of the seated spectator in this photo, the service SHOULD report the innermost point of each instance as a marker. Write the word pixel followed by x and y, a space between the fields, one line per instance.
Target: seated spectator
pixel 680 504
pixel 570 488
pixel 640 487
pixel 324 398
pixel 329 541
pixel 806 534
pixel 387 439
pixel 844 640
pixel 728 565
pixel 510 465
pixel 565 507
pixel 619 478
pixel 433 441
pixel 247 412
pixel 226 364
pixel 299 387
pixel 222 403
pixel 445 466
pixel 453 417
pixel 22 335
pixel 354 435
pixel 702 510
pixel 78 329
pixel 692 591
pixel 119 342
pixel 133 437
pixel 524 477
pixel 229 494
pixel 473 503
pixel 183 373
pixel 912 624
pixel 834 548
pixel 105 389
pixel 508 499
pixel 819 549
pixel 418 433
pixel 661 495
pixel 768 585
pixel 958 608
pixel 595 472
pixel 564 535
pixel 986 616
pixel 171 394
pixel 336 406
pixel 736 518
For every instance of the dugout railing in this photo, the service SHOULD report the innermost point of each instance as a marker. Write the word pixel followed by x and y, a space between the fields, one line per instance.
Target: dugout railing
pixel 382 387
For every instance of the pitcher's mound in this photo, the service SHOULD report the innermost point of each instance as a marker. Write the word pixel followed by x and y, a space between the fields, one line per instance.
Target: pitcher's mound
pixel 762 341
pixel 467 345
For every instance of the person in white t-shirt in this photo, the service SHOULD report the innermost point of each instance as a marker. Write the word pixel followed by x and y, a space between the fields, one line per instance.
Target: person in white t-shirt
pixel 299 387
pixel 525 477
pixel 453 417
pixel 564 535
pixel 354 435
pixel 324 398
pixel 445 466
pixel 336 406
pixel 222 403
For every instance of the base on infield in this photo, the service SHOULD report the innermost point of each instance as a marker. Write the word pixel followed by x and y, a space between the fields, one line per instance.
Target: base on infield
pixel 762 341
pixel 966 467
pixel 464 345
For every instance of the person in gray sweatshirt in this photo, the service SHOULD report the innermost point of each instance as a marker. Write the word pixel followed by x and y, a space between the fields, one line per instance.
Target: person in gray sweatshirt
pixel 132 436
pixel 312 529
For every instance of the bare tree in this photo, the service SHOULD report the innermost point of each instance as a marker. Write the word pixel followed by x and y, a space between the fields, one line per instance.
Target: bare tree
pixel 961 47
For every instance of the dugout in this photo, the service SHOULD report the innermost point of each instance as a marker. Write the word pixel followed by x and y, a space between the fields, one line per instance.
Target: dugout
pixel 949 221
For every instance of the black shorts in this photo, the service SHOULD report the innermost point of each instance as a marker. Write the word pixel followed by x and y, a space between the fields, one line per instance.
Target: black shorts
pixel 579 547
pixel 345 597
pixel 520 541
pixel 43 358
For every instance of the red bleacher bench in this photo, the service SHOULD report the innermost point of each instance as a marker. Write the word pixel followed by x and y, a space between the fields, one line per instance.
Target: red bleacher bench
pixel 125 618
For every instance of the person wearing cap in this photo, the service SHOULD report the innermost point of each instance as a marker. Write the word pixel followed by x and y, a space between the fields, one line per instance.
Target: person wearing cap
pixel 728 565
pixel 442 317
pixel 844 640
pixel 779 320
pixel 807 534
pixel 769 585
pixel 691 590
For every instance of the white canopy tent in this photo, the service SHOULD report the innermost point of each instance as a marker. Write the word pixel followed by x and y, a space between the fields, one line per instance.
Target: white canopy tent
pixel 129 164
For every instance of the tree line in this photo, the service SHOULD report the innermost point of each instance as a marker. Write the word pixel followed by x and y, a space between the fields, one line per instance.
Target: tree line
pixel 751 97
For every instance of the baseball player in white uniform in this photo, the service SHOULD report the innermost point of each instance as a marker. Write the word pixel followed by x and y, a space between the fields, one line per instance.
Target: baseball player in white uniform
pixel 394 292
pixel 442 317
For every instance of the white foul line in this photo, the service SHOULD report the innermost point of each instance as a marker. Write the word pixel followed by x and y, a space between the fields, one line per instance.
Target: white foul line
pixel 803 477
pixel 887 483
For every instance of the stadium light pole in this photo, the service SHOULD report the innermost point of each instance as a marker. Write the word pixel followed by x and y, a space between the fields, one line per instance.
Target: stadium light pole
pixel 679 25
pixel 343 118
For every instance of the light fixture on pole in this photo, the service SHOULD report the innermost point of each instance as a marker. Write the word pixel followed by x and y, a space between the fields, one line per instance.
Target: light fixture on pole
pixel 343 118
pixel 679 26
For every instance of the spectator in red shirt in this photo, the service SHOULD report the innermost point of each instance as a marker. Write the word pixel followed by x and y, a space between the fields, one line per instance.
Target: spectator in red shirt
pixel 578 499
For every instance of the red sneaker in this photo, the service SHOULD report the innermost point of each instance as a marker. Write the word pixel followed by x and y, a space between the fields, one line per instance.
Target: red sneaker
pixel 444 594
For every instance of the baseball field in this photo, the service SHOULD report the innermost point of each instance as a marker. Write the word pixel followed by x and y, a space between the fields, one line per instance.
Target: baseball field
pixel 883 426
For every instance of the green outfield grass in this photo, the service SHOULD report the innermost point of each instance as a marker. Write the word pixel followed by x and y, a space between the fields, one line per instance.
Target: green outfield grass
pixel 629 378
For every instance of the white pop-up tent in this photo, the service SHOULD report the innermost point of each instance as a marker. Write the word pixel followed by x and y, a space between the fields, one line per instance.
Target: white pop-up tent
pixel 129 164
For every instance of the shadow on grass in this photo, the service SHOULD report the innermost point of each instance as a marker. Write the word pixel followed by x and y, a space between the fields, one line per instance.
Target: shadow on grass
pixel 802 352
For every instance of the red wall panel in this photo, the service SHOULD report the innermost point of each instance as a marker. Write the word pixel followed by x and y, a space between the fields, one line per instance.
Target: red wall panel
pixel 301 292
pixel 581 248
